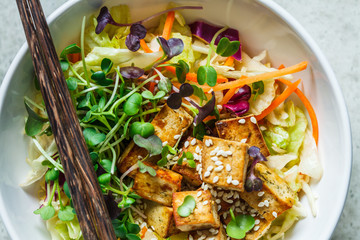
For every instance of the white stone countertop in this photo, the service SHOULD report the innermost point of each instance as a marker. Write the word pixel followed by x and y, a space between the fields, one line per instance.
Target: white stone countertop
pixel 334 25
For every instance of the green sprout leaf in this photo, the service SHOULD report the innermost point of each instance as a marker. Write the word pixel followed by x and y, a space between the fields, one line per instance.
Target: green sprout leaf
pixel 164 153
pixel 226 48
pixel 207 74
pixel 126 202
pixel 66 213
pixel 133 104
pixel 189 157
pixel 258 89
pixel 34 123
pixel 100 78
pixel 46 212
pixel 106 65
pixel 72 48
pixel 239 225
pixel 187 207
pixel 64 65
pixel 120 229
pixel 51 175
pixel 106 164
pixel 182 68
pixel 72 83
pixel 131 236
pixel 148 95
pixel 144 129
pixel 84 102
pixel 132 228
pixel 145 168
pixel 165 85
pixel 199 92
pixel 199 131
pixel 104 178
pixel 66 190
pixel 152 144
pixel 92 137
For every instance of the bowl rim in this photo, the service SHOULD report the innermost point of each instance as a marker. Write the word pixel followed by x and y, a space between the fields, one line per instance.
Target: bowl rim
pixel 294 25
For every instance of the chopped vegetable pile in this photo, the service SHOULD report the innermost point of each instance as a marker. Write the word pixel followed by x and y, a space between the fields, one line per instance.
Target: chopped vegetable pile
pixel 189 136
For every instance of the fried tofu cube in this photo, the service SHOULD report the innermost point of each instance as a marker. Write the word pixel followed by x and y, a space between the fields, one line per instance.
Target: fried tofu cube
pixel 275 197
pixel 191 175
pixel 208 234
pixel 203 216
pixel 160 218
pixel 243 129
pixel 224 163
pixel 159 188
pixel 168 123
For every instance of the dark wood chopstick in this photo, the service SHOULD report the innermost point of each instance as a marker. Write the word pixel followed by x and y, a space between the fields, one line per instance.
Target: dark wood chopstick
pixel 85 191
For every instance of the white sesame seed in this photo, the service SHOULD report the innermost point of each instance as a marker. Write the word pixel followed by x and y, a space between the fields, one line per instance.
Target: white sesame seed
pixel 197 149
pixel 237 204
pixel 253 120
pixel 260 194
pixel 214 159
pixel 202 237
pixel 207 174
pixel 191 237
pixel 257 221
pixel 210 141
pixel 263 128
pixel 229 153
pixel 235 182
pixel 153 238
pixel 218 201
pixel 220 152
pixel 224 154
pixel 206 187
pixel 266 203
pixel 140 157
pixel 242 121
pixel 256 228
pixel 193 142
pixel 274 214
pixel 198 167
pixel 164 143
pixel 219 168
pixel 152 227
pixel 196 156
pixel 243 140
pixel 205 202
pixel 253 214
pixel 228 167
pixel 215 179
pixel 261 204
pixel 219 207
pixel 186 144
pixel 199 193
pixel 218 163
pixel 207 143
pixel 229 179
pixel 212 230
pixel 211 238
pixel 177 136
pixel 229 201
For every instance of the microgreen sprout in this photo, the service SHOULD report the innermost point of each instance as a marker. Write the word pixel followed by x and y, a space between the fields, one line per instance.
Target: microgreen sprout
pixel 239 225
pixel 34 123
pixel 182 68
pixel 164 154
pixel 225 48
pixel 137 32
pixel 258 89
pixel 131 72
pixel 144 129
pixel 189 158
pixel 254 183
pixel 187 207
pixel 145 168
pixel 152 144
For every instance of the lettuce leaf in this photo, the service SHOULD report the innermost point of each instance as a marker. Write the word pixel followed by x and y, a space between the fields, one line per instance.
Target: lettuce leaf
pixel 309 160
pixel 297 132
pixel 283 115
pixel 60 230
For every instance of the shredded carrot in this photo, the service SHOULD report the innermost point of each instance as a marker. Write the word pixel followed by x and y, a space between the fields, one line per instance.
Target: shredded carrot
pixel 142 232
pixel 192 77
pixel 208 118
pixel 282 66
pixel 281 98
pixel 229 61
pixel 74 57
pixel 309 108
pixel 268 75
pixel 144 46
pixel 152 86
pixel 229 94
pixel 168 25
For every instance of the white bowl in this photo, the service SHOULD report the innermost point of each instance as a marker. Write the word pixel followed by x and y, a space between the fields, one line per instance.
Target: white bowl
pixel 262 25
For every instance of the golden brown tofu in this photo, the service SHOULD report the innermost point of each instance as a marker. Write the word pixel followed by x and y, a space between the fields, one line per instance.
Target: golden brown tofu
pixel 159 188
pixel 168 123
pixel 160 218
pixel 275 197
pixel 242 129
pixel 203 216
pixel 224 163
pixel 191 175
pixel 209 234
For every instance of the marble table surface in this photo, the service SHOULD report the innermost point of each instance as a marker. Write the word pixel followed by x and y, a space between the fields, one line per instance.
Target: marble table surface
pixel 334 25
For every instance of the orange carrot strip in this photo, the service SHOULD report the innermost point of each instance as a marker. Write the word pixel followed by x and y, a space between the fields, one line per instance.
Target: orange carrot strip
pixel 229 61
pixel 143 231
pixel 309 108
pixel 229 94
pixel 152 86
pixel 208 118
pixel 74 57
pixel 192 77
pixel 282 97
pixel 144 46
pixel 168 25
pixel 281 66
pixel 241 82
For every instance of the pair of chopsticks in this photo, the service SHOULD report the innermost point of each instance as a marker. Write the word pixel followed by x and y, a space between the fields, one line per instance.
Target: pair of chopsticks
pixel 85 191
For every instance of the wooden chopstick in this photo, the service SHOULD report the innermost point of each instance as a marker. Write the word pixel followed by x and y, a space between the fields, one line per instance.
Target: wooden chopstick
pixel 85 191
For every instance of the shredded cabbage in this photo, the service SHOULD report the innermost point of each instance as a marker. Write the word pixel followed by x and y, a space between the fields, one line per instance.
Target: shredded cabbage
pixel 284 115
pixel 61 230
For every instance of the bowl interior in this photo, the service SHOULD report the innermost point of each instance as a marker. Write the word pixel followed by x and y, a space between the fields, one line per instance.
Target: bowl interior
pixel 263 26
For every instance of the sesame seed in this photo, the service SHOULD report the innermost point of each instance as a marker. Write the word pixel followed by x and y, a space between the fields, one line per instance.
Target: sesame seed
pixel 256 228
pixel 274 214
pixel 215 179
pixel 243 140
pixel 228 167
pixel 220 152
pixel 260 194
pixel 207 143
pixel 193 142
pixel 210 168
pixel 219 168
pixel 153 238
pixel 236 195
pixel 229 201
pixel 152 227
pixel 196 156
pixel 261 204
pixel 140 157
pixel 229 153
pixel 253 120
pixel 235 182
pixel 206 187
pixel 164 143
pixel 219 207
pixel 207 174
pixel 197 149
pixel 186 144
pixel 218 163
pixel 211 142
pixel 225 215
pixel 218 201
pixel 237 204
pixel 257 221
pixel 220 193
pixel 191 237
pixel 229 179
pixel 263 128
pixel 212 230
pixel 205 202
pixel 266 203
pixel 198 167
pixel 199 193
pixel 212 238
pixel 214 159
pixel 242 121
pixel 253 214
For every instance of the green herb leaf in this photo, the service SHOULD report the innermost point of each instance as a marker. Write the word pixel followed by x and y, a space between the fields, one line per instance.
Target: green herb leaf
pixel 33 127
pixel 120 229
pixel 46 212
pixel 106 164
pixel 192 163
pixel 165 85
pixel 148 95
pixel 72 48
pixel 126 202
pixel 144 129
pixel 84 102
pixel 51 175
pixel 239 225
pixel 199 131
pixel 207 74
pixel 133 104
pixel 199 92
pixel 66 214
pixel 181 70
pixel 106 65
pixel 131 236
pixel 66 190
pixel 104 178
pixel 258 89
pixel 164 153
pixel 64 65
pixel 92 137
pixel 72 83
pixel 100 78
pixel 187 207
pixel 226 48
pixel 132 228
pixel 152 144
pixel 145 168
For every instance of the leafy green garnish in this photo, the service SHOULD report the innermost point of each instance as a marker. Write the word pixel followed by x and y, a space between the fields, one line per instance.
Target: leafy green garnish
pixel 34 123
pixel 187 207
pixel 133 104
pixel 148 95
pixel 182 68
pixel 189 157
pixel 92 137
pixel 145 168
pixel 152 144
pixel 207 74
pixel 126 230
pixel 66 213
pixel 51 175
pixel 258 89
pixel 72 83
pixel 164 153
pixel 104 178
pixel 72 48
pixel 46 212
pixel 226 48
pixel 144 129
pixel 239 225
pixel 199 92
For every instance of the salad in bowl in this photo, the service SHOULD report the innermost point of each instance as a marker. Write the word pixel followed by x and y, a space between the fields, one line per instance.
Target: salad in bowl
pixel 191 137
